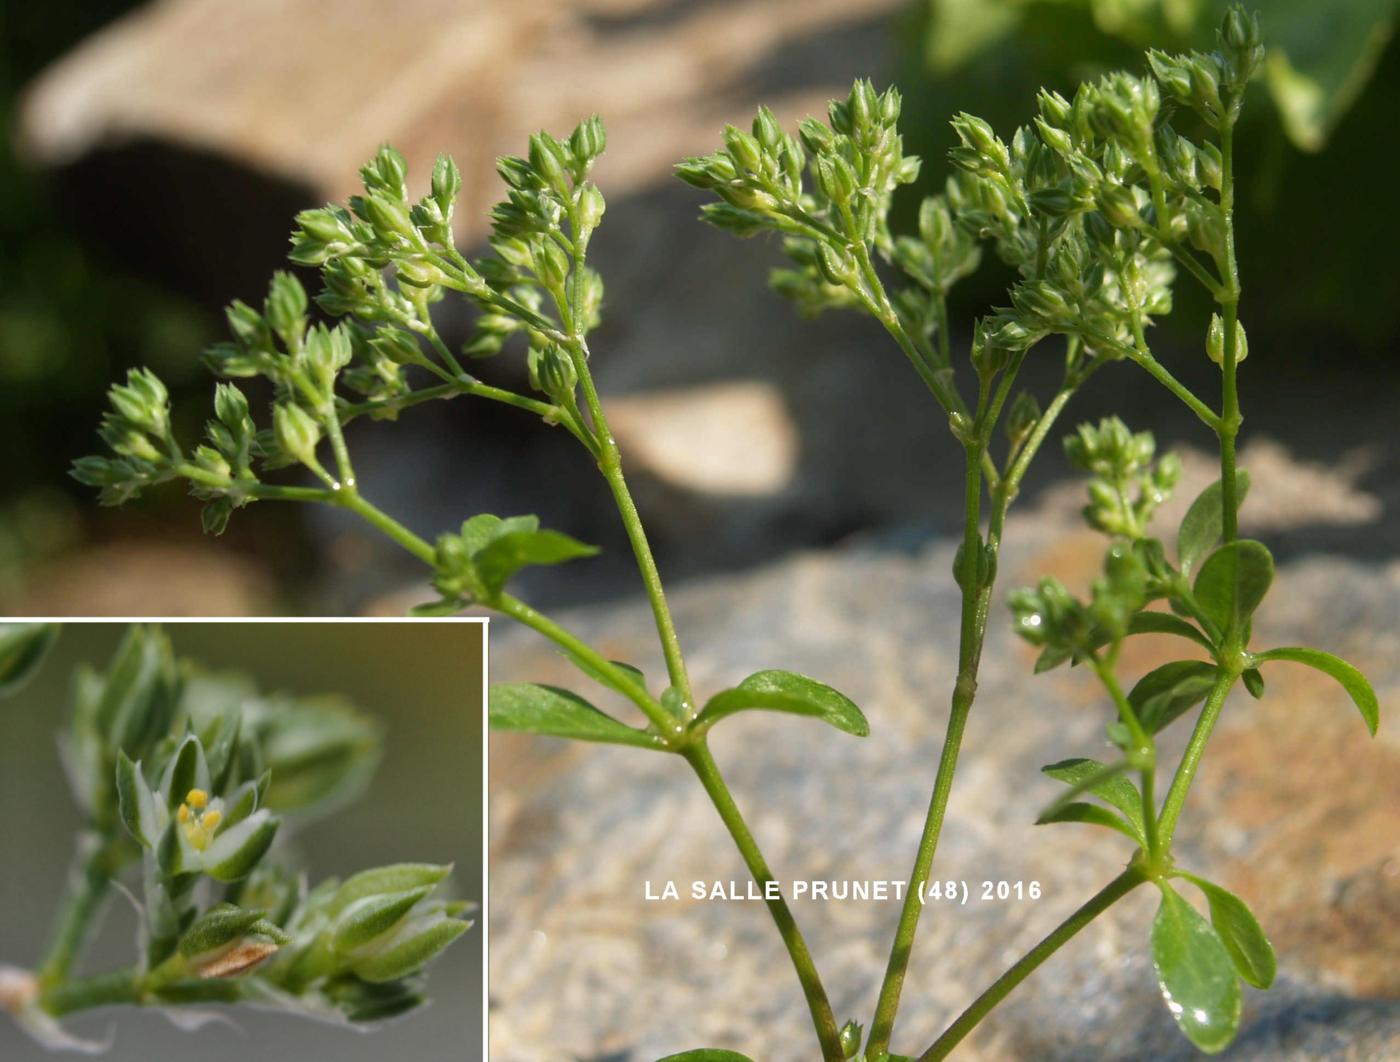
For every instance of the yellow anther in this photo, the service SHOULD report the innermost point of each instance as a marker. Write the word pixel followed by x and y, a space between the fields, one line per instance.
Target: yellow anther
pixel 197 799
pixel 184 813
pixel 210 820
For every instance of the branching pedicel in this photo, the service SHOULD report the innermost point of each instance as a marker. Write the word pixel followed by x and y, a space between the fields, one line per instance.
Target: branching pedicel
pixel 1097 205
pixel 183 777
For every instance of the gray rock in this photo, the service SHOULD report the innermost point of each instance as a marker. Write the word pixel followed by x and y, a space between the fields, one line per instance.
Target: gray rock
pixel 1294 809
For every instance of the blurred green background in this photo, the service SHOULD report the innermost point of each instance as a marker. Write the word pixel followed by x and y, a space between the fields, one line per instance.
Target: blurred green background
pixel 78 306
pixel 423 681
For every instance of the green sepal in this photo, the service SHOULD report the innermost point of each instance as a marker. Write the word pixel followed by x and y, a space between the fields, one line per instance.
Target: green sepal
pixel 224 925
pixel 411 946
pixel 1253 682
pixel 373 916
pixel 186 770
pixel 379 881
pixel 1104 781
pixel 786 691
pixel 1352 680
pixel 1195 973
pixel 1166 693
pixel 1240 932
pixel 135 802
pixel 1202 525
pixel 538 709
pixel 1233 581
pixel 23 647
pixel 1078 811
pixel 235 851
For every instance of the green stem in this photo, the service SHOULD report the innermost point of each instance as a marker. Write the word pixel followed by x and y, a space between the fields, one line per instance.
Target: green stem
pixel 699 758
pixel 1191 758
pixel 1101 901
pixel 667 726
pixel 351 499
pixel 610 464
pixel 85 993
pixel 1230 418
pixel 1145 748
pixel 964 692
pixel 88 882
pixel 1159 372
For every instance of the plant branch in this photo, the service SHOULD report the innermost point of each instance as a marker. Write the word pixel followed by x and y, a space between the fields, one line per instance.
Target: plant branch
pixel 1002 987
pixel 699 758
pixel 1191 758
pixel 667 726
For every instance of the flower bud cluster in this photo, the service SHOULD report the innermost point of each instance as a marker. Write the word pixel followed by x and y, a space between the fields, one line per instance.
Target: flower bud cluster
pixel 1126 486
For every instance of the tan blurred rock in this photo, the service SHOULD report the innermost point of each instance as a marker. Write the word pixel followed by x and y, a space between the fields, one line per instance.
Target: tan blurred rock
pixel 147 579
pixel 306 91
pixel 726 438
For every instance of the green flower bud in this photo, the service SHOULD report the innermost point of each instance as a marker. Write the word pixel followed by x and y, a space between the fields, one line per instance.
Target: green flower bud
pixel 851 1036
pixel 297 432
pixel 227 941
pixel 1215 341
pixel 286 307
pixel 815 136
pixel 590 207
pixel 589 139
pixel 838 267
pixel 548 162
pixel 552 372
pixel 767 131
pixel 549 262
pixel 1119 205
pixel 447 182
pixel 516 172
pixel 389 217
pixel 744 149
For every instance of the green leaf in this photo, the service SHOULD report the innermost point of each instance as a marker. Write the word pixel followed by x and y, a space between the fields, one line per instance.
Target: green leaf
pixel 1201 527
pixel 1104 781
pixel 507 554
pixel 1078 811
pixel 1352 680
pixel 604 679
pixel 1195 973
pixel 23 647
pixel 961 30
pixel 1167 692
pixel 707 1054
pixel 1166 623
pixel 1320 58
pixel 1240 932
pixel 786 691
pixel 1232 582
pixel 559 713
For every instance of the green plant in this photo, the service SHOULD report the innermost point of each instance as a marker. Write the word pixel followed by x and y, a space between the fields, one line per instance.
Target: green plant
pixel 183 778
pixel 1096 206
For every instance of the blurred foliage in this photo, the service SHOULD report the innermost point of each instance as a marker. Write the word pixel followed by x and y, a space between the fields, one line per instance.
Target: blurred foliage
pixel 71 317
pixel 1325 135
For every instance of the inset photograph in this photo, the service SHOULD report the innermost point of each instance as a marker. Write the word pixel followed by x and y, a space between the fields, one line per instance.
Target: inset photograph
pixel 238 840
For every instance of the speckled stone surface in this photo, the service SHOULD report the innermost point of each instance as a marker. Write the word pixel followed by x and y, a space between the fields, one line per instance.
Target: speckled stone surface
pixel 1295 809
